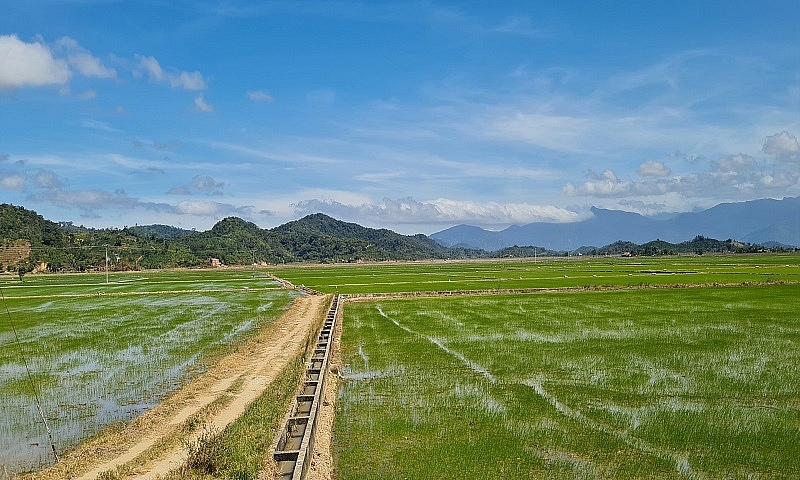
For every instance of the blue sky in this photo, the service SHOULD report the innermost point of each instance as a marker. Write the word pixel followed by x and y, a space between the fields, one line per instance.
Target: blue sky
pixel 413 116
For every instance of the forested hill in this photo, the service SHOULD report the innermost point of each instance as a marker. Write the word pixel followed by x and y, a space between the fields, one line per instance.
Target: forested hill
pixel 29 241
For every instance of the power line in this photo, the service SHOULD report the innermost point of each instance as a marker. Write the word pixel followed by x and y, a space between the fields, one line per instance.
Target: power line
pixel 35 390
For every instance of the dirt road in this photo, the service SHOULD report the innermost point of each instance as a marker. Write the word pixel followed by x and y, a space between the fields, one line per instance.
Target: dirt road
pixel 154 443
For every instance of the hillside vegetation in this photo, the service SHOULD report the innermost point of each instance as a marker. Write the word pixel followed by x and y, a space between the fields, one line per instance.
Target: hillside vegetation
pixel 30 242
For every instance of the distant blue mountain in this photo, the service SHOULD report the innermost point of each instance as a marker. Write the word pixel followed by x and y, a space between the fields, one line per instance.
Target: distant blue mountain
pixel 756 221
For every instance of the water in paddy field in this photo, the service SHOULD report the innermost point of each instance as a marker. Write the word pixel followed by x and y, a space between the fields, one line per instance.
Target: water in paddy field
pixel 107 361
pixel 76 403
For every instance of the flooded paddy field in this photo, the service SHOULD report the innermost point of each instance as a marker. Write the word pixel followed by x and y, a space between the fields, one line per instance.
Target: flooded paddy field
pixel 658 383
pixel 97 353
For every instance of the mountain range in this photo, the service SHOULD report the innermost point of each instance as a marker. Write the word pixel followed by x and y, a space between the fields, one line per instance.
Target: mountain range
pixel 766 222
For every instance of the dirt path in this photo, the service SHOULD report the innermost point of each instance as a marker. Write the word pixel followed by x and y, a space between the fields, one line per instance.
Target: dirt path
pixel 234 382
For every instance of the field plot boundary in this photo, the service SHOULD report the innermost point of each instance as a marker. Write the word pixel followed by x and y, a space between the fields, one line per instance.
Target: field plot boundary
pixel 366 297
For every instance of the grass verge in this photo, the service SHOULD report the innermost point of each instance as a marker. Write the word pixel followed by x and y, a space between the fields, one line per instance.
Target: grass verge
pixel 241 450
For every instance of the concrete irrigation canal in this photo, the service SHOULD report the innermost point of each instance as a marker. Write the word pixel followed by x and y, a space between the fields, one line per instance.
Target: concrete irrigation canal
pixel 295 440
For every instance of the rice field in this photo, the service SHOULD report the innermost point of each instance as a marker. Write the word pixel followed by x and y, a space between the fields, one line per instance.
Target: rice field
pixel 102 353
pixel 658 383
pixel 547 273
pixel 581 383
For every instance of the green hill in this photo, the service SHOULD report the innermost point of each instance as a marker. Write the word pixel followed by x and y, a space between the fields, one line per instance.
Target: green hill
pixel 29 242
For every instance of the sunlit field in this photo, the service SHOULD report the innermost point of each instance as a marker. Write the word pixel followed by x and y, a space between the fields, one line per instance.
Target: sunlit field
pixel 102 353
pixel 576 272
pixel 659 383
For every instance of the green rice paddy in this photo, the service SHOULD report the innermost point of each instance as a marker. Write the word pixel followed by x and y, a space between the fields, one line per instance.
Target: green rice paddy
pixel 548 273
pixel 581 376
pixel 103 353
pixel 645 383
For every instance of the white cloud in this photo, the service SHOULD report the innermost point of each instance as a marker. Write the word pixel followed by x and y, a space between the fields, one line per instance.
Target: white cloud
pixel 189 81
pixel 34 64
pixel 201 104
pixel 733 164
pixel 653 168
pixel 493 213
pixel 259 96
pixel 47 179
pixel 206 184
pixel 782 145
pixel 605 185
pixel 730 178
pixel 439 211
pixel 29 64
pixel 175 79
pixel 778 180
pixel 12 182
pixel 83 61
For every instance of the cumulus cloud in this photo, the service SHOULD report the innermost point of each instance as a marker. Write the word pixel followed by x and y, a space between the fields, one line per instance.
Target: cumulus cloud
pixel 84 62
pixel 259 96
pixel 36 64
pixel 29 64
pixel 206 184
pixel 12 181
pixel 439 211
pixel 47 179
pixel 653 168
pixel 175 79
pixel 733 164
pixel 199 184
pixel 732 177
pixel 201 104
pixel 783 145
pixel 606 184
